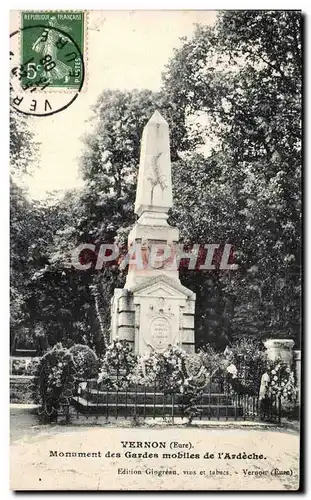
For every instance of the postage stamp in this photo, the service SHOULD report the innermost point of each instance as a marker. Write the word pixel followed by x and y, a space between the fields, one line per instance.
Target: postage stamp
pixel 45 47
pixel 47 70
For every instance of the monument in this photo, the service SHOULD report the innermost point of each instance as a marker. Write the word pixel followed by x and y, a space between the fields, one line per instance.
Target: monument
pixel 154 309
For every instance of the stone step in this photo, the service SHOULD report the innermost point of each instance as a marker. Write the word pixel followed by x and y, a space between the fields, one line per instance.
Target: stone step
pixel 95 396
pixel 214 388
pixel 151 410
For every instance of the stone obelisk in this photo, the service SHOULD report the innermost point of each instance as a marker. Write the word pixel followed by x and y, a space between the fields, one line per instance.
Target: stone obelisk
pixel 154 309
pixel 154 186
pixel 153 201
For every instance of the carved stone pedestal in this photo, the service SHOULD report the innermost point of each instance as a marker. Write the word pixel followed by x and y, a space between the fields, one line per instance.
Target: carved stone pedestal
pixel 280 349
pixel 154 314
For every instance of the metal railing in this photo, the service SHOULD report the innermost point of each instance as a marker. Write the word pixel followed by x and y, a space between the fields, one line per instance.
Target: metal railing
pixel 216 401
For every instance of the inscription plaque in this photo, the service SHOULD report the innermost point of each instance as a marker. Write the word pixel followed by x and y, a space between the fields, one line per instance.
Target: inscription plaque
pixel 160 333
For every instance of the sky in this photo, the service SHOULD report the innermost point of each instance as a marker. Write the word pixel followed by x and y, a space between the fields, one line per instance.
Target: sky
pixel 125 50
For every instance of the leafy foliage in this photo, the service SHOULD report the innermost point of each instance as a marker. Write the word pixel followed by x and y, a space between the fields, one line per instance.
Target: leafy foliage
pixel 24 366
pixel 85 360
pixel 249 358
pixel 213 360
pixel 23 148
pixel 241 80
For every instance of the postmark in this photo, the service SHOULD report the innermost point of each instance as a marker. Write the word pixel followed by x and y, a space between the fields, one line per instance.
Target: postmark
pixel 46 62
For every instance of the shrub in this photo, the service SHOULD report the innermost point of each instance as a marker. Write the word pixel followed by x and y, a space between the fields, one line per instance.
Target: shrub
pixel 21 390
pixel 214 362
pixel 249 358
pixel 290 409
pixel 25 366
pixel 54 382
pixel 85 360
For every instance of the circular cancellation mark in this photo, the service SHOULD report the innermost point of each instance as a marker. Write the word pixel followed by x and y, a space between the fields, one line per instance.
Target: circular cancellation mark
pixel 46 70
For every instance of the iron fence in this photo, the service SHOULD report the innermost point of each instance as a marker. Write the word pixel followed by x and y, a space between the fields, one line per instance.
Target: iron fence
pixel 216 401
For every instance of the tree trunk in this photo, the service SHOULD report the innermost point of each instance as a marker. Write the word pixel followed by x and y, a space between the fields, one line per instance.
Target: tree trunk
pixel 95 293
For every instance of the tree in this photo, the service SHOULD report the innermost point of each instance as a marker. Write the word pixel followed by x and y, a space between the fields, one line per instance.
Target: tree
pixel 23 155
pixel 32 227
pixel 23 148
pixel 244 77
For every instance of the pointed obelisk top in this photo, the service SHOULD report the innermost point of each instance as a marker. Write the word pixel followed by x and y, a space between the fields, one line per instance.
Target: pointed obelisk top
pixel 157 118
pixel 154 186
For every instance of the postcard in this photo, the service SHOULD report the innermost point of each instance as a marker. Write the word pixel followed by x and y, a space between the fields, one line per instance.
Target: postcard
pixel 155 197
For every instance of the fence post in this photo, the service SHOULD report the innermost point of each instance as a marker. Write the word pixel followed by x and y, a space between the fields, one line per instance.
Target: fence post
pixel 97 399
pixel 135 410
pixel 280 349
pixel 297 367
pixel 126 387
pixel 209 398
pixel 227 393
pixel 154 398
pixel 107 406
pixel 117 402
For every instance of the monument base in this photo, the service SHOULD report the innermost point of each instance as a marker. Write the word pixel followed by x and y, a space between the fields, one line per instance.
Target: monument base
pixel 153 315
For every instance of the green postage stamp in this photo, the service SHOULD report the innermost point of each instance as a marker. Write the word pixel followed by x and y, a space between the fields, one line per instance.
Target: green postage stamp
pixel 52 48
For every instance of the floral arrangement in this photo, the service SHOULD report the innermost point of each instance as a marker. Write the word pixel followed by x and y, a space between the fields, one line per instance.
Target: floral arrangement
pixel 53 383
pixel 167 369
pixel 85 360
pixel 147 369
pixel 281 381
pixel 171 371
pixel 174 372
pixel 117 365
pixel 31 366
pixel 278 391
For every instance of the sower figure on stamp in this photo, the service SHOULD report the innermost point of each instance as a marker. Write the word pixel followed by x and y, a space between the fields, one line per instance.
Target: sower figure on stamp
pixel 47 45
